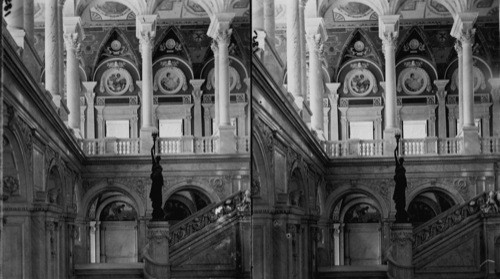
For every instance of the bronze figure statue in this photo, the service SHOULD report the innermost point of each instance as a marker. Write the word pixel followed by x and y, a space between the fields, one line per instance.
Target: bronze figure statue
pixel 156 187
pixel 399 196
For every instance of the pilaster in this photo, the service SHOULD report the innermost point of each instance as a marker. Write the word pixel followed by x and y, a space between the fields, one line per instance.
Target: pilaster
pixel 441 96
pixel 197 94
pixel 90 97
pixel 334 114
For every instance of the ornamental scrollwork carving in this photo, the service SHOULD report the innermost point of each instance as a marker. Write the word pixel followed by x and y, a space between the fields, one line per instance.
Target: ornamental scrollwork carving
pixel 402 237
pixel 158 235
pixel 170 79
pixel 10 186
pixel 116 80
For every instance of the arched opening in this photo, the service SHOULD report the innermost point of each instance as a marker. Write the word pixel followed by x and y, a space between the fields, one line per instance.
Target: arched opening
pixel 428 205
pixel 358 238
pixel 183 203
pixel 113 234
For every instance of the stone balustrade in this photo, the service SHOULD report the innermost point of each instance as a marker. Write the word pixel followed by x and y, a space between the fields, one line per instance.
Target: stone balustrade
pixel 409 147
pixel 166 146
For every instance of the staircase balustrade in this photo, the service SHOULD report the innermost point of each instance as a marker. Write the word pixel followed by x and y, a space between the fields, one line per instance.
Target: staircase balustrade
pixel 238 203
pixel 449 219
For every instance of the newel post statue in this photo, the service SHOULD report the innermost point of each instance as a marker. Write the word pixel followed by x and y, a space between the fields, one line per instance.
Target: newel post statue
pixel 156 251
pixel 400 254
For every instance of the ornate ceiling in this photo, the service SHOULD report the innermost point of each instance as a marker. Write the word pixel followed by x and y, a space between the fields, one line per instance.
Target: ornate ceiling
pixel 410 9
pixel 97 12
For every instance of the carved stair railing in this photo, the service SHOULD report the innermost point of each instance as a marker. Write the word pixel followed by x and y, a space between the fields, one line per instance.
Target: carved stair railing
pixel 235 205
pixel 448 220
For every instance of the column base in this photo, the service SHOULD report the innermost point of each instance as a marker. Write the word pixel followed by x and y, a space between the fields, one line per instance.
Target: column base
pixel 471 142
pixel 146 139
pixel 390 140
pixel 227 139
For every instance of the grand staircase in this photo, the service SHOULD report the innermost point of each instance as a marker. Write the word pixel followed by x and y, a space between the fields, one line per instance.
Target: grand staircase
pixel 212 243
pixel 454 243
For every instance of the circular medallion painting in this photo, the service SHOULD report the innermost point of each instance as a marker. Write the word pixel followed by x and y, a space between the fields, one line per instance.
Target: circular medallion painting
pixel 170 80
pixel 234 79
pixel 478 77
pixel 116 81
pixel 359 82
pixel 413 81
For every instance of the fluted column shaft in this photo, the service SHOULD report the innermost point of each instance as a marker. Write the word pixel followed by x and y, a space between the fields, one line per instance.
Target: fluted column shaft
pixel 467 41
pixel 293 51
pixel 73 80
pixel 51 51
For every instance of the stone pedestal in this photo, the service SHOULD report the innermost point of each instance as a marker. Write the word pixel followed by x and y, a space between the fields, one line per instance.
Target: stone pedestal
pixel 390 141
pixel 156 254
pixel 471 142
pixel 401 255
pixel 147 139
pixel 227 139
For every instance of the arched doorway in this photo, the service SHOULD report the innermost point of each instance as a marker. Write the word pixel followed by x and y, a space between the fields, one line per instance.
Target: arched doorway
pixel 359 239
pixel 428 205
pixel 183 203
pixel 113 234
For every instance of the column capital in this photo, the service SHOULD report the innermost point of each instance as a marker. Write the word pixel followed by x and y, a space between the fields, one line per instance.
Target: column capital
pixel 333 88
pixel 315 33
pixel 441 84
pixel 197 92
pixel 219 27
pixel 215 47
pixel 89 86
pixel 302 3
pixel 462 28
pixel 388 27
pixel 73 32
pixel 145 28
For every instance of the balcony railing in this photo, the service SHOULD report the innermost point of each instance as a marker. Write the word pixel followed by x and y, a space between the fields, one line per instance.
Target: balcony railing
pixel 409 147
pixel 166 146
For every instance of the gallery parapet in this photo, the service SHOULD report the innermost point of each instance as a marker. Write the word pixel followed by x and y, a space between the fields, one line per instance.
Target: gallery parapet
pixel 166 146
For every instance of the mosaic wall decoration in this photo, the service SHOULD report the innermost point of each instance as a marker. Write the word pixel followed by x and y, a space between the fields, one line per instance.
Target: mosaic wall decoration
pixel 118 211
pixel 111 11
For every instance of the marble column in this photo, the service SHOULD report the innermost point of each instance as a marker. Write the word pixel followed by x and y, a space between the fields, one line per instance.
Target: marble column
pixel 73 34
pixel 197 94
pixel 90 96
pixel 460 85
pixel 219 30
pixel 215 50
pixel 316 36
pixel 60 47
pixel 388 32
pixel 441 96
pixel 269 20
pixel 303 50
pixel 334 113
pixel 146 32
pixel 293 55
pixel 463 30
pixel 495 94
pixel 51 51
